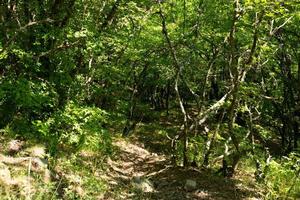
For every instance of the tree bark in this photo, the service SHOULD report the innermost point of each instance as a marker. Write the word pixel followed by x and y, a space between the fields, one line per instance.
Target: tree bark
pixel 178 68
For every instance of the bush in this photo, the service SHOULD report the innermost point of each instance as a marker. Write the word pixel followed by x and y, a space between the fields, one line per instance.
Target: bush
pixel 23 99
pixel 75 127
pixel 282 178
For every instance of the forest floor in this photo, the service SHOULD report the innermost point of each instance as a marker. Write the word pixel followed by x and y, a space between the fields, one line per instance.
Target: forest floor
pixel 142 169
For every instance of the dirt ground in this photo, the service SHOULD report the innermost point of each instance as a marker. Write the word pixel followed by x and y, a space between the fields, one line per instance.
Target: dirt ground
pixel 166 181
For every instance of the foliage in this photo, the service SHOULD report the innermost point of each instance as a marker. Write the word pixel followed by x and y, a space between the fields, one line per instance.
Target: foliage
pixel 227 74
pixel 282 178
pixel 80 177
pixel 74 128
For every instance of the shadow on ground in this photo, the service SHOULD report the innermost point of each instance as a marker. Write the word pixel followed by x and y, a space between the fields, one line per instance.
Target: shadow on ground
pixel 156 137
pixel 167 181
pixel 170 185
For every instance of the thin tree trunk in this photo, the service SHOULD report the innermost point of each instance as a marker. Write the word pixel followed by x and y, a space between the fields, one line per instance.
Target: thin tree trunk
pixel 210 142
pixel 178 68
pixel 110 16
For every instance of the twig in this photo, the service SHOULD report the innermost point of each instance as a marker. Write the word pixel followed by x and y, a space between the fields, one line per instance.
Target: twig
pixel 60 47
pixel 279 27
pixel 56 188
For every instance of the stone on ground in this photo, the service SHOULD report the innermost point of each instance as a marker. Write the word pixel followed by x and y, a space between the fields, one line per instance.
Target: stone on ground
pixel 142 184
pixel 14 146
pixel 5 177
pixel 37 151
pixel 190 185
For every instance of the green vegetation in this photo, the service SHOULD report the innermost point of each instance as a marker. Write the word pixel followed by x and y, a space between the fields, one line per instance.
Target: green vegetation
pixel 95 94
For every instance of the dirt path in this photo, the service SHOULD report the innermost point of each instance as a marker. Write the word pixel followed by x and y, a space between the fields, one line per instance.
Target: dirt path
pixel 135 165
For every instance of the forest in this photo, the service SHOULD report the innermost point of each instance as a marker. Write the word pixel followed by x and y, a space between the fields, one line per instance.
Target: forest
pixel 149 99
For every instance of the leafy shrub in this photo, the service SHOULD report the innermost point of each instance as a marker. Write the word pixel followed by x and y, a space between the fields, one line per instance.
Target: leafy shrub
pixel 282 179
pixel 75 127
pixel 23 98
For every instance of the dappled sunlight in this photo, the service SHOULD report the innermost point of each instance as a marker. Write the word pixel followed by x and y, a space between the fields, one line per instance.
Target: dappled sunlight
pixel 154 99
pixel 167 181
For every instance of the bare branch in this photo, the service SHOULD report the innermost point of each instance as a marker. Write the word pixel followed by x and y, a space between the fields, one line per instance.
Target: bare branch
pixel 279 27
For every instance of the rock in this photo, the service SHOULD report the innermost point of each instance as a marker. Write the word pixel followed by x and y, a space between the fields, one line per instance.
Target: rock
pixel 142 184
pixel 5 177
pixel 37 151
pixel 190 185
pixel 136 179
pixel 14 146
pixel 39 164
